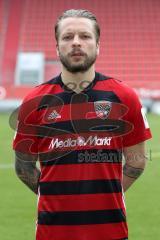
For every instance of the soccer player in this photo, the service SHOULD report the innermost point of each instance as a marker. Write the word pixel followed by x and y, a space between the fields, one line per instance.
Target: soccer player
pixel 79 126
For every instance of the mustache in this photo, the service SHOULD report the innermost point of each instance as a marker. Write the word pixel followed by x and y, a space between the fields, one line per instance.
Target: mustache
pixel 77 51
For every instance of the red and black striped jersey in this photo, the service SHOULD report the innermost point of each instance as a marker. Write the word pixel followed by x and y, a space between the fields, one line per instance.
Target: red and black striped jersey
pixel 79 138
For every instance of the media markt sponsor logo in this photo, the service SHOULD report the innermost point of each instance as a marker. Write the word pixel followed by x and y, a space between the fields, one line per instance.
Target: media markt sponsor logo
pixel 80 141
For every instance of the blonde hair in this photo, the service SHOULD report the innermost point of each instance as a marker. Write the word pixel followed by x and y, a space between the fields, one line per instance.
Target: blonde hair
pixel 81 13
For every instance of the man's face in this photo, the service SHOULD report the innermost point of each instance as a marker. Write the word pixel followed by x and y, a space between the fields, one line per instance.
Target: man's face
pixel 77 47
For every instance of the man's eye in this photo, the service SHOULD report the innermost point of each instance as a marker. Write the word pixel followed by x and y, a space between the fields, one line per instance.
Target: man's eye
pixel 67 37
pixel 85 36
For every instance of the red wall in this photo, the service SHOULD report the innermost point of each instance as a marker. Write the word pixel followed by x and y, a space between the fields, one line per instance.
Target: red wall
pixel 130 37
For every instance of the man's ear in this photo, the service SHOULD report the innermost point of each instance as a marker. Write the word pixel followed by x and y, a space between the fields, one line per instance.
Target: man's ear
pixel 57 49
pixel 98 44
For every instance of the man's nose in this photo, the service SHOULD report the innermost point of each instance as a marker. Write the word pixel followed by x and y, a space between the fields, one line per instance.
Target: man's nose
pixel 76 40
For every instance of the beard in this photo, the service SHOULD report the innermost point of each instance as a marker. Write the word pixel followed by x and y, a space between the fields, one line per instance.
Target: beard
pixel 77 67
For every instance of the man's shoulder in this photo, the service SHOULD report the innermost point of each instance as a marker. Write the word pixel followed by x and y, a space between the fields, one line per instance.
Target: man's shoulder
pixel 119 87
pixel 42 89
pixel 116 83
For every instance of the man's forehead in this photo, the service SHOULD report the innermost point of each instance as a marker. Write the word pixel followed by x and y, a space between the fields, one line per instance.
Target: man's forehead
pixel 76 23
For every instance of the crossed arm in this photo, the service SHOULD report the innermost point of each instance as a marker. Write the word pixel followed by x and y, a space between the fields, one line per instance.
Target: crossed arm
pixel 135 161
pixel 25 166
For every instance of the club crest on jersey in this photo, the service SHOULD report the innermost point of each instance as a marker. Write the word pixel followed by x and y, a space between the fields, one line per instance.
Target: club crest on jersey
pixel 102 108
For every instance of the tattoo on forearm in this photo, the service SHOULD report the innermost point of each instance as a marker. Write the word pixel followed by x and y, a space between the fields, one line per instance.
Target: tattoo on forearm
pixel 27 171
pixel 132 172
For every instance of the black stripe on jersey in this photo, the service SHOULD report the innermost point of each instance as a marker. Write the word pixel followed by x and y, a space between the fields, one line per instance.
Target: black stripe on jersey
pixel 98 95
pixel 74 157
pixel 92 95
pixel 74 98
pixel 81 217
pixel 94 126
pixel 80 187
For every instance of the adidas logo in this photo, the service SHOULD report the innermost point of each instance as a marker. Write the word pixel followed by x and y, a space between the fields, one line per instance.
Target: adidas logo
pixel 54 115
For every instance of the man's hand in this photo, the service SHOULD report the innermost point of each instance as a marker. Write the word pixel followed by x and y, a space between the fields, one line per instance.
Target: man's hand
pixel 26 170
pixel 135 161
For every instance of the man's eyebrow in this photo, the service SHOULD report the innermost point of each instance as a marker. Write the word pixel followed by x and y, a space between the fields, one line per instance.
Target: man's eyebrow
pixel 85 32
pixel 72 32
pixel 68 32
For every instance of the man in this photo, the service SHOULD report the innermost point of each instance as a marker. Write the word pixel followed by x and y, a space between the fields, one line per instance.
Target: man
pixel 79 125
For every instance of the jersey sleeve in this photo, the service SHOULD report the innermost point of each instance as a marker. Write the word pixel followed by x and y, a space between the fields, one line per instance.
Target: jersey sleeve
pixel 26 139
pixel 136 117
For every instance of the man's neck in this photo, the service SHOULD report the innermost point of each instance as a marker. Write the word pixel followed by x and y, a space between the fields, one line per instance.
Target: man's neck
pixel 78 81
